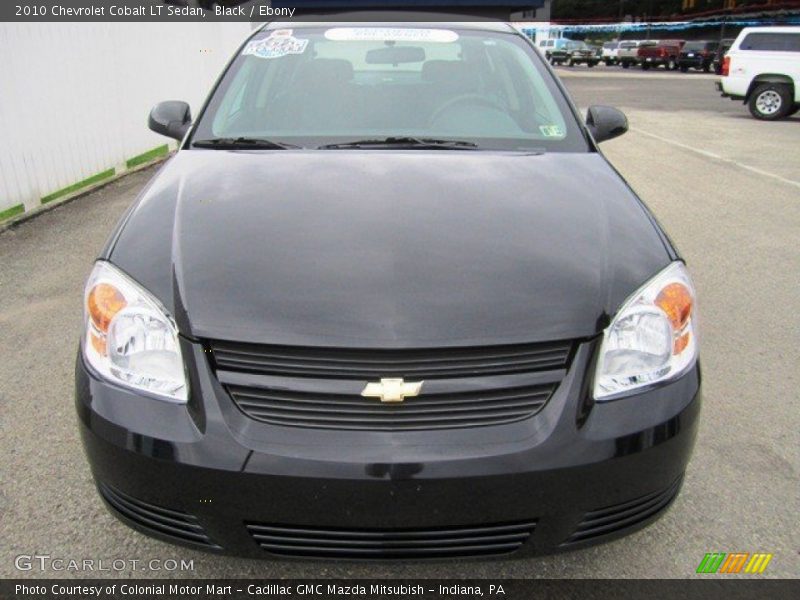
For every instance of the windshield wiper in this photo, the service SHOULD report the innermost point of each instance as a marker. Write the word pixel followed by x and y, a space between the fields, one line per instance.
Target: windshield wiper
pixel 243 143
pixel 404 141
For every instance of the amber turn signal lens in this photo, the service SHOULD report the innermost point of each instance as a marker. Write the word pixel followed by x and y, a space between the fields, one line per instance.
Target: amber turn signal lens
pixel 681 343
pixel 98 343
pixel 103 303
pixel 676 300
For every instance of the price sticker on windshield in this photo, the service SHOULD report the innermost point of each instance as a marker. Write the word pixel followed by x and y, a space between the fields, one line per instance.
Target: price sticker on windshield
pixel 551 131
pixel 280 42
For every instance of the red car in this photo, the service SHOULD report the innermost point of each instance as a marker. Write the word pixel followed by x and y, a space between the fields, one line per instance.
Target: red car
pixel 665 52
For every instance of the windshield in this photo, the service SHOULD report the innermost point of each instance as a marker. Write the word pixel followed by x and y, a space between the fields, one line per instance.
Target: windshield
pixel 324 86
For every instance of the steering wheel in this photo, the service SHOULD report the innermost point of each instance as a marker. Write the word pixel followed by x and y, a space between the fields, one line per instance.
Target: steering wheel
pixel 470 99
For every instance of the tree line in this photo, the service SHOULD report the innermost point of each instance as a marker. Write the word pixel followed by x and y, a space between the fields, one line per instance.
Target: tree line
pixel 604 9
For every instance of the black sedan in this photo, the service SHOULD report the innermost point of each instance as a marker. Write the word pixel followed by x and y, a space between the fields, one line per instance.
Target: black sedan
pixel 698 55
pixel 388 300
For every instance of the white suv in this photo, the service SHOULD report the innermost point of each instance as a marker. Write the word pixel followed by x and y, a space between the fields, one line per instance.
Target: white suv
pixel 762 68
pixel 610 53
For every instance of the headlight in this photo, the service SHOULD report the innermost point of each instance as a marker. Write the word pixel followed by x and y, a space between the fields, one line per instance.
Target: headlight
pixel 130 338
pixel 653 337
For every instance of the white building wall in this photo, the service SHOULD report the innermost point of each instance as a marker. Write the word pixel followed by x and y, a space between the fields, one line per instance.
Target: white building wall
pixel 74 97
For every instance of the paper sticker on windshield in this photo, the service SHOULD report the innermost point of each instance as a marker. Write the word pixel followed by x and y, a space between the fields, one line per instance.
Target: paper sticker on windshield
pixel 390 34
pixel 553 131
pixel 279 43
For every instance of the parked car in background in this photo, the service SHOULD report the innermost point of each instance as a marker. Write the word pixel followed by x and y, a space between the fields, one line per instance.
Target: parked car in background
pixel 697 55
pixel 627 53
pixel 610 53
pixel 548 47
pixel 762 69
pixel 580 53
pixel 663 53
pixel 722 50
pixel 557 55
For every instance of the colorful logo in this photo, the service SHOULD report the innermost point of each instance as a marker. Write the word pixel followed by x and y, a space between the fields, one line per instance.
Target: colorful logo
pixel 735 562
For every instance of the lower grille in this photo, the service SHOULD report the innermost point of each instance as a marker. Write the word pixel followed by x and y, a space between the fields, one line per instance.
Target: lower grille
pixel 618 517
pixel 431 411
pixel 483 540
pixel 175 524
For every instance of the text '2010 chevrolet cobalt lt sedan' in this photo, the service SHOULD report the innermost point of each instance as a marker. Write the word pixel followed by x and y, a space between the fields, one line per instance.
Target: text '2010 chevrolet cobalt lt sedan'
pixel 388 301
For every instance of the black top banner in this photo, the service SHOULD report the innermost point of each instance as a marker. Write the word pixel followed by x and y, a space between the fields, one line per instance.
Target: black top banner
pixel 409 4
pixel 255 10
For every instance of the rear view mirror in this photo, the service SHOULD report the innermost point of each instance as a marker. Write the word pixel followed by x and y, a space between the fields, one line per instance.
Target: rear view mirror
pixel 171 118
pixel 606 122
pixel 395 55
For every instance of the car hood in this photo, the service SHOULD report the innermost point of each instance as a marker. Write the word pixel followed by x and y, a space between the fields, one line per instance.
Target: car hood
pixel 389 248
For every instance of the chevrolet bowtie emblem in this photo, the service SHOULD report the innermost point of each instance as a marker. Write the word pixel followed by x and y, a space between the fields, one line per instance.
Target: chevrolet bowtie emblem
pixel 392 390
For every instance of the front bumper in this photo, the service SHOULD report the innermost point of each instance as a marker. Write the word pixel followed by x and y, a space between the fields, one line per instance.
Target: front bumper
pixel 204 475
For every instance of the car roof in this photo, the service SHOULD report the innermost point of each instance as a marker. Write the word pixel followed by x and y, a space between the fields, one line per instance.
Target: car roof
pixel 782 29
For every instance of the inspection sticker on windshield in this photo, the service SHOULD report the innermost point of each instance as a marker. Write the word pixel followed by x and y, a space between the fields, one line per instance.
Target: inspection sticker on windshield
pixel 551 131
pixel 279 43
pixel 390 34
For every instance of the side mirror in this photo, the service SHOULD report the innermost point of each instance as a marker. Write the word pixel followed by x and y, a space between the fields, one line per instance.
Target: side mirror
pixel 606 122
pixel 171 118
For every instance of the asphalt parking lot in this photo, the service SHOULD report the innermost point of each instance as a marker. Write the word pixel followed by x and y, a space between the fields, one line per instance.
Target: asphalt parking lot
pixel 725 186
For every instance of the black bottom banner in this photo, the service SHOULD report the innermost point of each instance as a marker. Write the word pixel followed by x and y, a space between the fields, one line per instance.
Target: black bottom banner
pixel 424 589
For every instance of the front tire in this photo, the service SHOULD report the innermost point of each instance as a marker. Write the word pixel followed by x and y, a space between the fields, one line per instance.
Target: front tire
pixel 626 65
pixel 770 102
pixel 684 69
